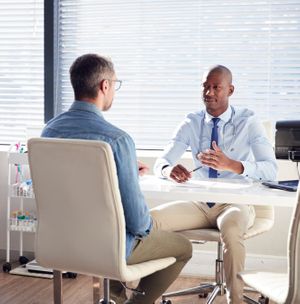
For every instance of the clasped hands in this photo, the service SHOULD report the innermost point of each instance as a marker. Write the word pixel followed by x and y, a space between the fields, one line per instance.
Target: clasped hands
pixel 214 158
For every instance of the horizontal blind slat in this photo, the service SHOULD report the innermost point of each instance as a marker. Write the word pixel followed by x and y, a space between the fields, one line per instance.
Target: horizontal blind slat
pixel 21 68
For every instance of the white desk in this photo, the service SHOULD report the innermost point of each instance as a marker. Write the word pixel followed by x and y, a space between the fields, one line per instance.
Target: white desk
pixel 216 190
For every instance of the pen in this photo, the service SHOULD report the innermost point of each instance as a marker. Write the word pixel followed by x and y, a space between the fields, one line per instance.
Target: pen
pixel 196 169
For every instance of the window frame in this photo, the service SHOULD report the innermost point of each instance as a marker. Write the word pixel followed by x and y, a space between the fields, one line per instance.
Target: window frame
pixel 50 53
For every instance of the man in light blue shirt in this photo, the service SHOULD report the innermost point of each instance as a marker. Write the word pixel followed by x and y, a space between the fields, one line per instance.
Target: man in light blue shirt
pixel 225 142
pixel 94 83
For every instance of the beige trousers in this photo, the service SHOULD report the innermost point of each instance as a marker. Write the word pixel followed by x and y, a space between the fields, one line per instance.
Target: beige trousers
pixel 232 221
pixel 158 244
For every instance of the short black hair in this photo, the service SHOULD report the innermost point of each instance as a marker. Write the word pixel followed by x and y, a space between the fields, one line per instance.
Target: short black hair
pixel 222 69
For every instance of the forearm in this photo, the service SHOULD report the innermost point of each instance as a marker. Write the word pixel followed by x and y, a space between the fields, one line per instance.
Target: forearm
pixel 236 167
pixel 169 157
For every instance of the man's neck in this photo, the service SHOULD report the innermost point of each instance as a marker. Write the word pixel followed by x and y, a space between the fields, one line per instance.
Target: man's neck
pixel 98 102
pixel 216 113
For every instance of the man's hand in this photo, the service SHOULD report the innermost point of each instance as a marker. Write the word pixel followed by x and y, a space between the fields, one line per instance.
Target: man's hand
pixel 143 168
pixel 178 173
pixel 217 160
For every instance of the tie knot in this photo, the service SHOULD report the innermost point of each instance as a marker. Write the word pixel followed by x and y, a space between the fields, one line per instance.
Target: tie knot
pixel 215 120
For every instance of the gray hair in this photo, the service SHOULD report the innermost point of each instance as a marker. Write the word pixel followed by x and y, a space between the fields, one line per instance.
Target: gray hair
pixel 86 73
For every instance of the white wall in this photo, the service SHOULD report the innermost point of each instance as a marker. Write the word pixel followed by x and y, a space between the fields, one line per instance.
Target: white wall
pixel 272 243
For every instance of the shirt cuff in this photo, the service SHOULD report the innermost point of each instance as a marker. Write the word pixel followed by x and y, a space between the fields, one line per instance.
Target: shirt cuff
pixel 159 166
pixel 250 169
pixel 162 170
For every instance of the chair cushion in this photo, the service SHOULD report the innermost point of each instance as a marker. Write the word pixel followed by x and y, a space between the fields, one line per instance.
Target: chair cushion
pixel 137 271
pixel 211 235
pixel 271 284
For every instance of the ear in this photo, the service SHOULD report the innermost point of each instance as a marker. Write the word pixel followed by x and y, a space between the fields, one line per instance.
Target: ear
pixel 104 86
pixel 231 90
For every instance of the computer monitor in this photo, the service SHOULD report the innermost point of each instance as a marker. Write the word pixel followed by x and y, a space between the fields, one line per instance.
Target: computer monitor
pixel 287 140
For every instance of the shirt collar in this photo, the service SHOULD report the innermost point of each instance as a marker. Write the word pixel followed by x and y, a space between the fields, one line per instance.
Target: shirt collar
pixel 86 106
pixel 225 117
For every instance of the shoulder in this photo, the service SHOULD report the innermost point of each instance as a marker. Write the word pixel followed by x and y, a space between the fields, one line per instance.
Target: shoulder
pixel 191 121
pixel 246 120
pixel 243 113
pixel 193 118
pixel 245 116
pixel 120 138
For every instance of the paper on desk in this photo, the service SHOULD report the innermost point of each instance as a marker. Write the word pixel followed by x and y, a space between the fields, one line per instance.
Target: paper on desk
pixel 216 183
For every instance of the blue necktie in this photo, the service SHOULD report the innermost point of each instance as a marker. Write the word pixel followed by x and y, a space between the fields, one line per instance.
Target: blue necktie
pixel 212 173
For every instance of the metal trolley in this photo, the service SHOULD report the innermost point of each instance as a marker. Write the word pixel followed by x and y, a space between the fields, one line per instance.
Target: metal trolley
pixel 19 190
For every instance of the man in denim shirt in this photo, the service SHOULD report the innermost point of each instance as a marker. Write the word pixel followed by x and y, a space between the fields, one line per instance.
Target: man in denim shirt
pixel 94 83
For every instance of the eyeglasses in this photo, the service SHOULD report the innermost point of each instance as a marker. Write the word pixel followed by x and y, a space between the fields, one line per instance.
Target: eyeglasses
pixel 118 83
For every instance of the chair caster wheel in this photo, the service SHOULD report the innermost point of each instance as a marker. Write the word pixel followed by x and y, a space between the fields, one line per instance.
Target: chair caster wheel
pixel 166 302
pixel 70 275
pixel 23 260
pixel 6 267
pixel 203 295
pixel 263 300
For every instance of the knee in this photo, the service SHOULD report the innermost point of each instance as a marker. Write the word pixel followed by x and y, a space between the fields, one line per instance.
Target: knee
pixel 156 219
pixel 160 221
pixel 231 235
pixel 186 248
pixel 154 214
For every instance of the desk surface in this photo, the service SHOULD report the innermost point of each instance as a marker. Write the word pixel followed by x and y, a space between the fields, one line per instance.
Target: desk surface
pixel 216 190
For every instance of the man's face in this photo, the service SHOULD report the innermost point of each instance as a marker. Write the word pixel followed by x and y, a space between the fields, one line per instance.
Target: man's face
pixel 216 92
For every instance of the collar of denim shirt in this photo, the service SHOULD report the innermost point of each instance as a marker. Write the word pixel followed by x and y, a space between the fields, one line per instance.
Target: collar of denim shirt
pixel 86 106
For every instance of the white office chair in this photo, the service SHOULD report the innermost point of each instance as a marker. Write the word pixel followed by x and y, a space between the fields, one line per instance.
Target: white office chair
pixel 281 287
pixel 81 225
pixel 263 222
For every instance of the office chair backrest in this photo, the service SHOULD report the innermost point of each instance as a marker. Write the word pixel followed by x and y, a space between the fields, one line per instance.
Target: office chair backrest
pixel 80 214
pixel 294 256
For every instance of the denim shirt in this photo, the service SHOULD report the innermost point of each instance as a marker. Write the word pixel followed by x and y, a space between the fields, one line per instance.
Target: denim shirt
pixel 241 137
pixel 85 121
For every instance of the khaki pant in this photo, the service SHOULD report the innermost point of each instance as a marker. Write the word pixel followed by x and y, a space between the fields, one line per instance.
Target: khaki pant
pixel 232 221
pixel 158 244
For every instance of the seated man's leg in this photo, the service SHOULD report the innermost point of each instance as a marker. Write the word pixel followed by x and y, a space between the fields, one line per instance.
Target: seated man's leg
pixel 159 244
pixel 233 222
pixel 179 215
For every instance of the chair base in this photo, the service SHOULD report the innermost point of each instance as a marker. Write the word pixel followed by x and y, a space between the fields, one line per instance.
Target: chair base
pixel 212 290
pixel 261 300
pixel 207 289
pixel 103 301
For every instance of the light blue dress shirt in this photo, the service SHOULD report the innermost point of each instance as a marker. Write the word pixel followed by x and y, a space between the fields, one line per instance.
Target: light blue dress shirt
pixel 240 136
pixel 85 121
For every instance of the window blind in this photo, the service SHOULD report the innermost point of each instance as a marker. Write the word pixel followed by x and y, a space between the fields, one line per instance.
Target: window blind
pixel 21 68
pixel 161 48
